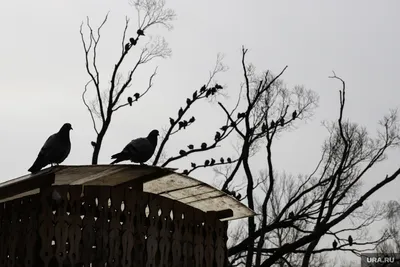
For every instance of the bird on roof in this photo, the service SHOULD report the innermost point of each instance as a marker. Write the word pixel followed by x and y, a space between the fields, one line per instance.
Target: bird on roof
pixel 55 150
pixel 138 150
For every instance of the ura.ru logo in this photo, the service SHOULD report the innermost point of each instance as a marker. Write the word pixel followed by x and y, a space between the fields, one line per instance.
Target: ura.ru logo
pixel 380 260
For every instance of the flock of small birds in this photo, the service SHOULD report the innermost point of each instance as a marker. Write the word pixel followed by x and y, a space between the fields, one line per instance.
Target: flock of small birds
pixel 58 146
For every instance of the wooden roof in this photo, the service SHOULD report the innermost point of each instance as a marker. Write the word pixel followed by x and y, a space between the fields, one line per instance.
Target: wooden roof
pixel 156 180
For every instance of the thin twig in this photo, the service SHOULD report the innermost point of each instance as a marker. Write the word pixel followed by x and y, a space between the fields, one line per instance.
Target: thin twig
pixel 87 106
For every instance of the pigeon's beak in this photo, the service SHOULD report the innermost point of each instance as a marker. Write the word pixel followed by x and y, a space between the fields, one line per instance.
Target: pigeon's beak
pixel 71 128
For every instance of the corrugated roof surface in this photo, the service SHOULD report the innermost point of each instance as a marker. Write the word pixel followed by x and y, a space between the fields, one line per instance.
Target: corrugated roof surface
pixel 156 180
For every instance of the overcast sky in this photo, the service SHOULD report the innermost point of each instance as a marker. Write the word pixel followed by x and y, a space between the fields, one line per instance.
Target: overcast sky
pixel 42 72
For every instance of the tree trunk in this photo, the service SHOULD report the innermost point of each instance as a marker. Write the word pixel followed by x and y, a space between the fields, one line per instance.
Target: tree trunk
pixel 99 141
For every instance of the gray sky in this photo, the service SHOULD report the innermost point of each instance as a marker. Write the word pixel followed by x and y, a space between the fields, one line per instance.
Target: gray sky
pixel 42 72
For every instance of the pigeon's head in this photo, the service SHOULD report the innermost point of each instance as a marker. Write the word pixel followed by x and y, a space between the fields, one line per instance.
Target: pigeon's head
pixel 154 133
pixel 66 127
pixel 152 137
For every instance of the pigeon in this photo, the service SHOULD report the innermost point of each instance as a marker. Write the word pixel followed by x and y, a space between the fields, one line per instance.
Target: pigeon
pixel 334 244
pixel 138 150
pixel 55 150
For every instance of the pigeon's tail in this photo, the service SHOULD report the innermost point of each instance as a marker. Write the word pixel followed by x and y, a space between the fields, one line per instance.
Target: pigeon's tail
pixel 35 168
pixel 39 163
pixel 118 158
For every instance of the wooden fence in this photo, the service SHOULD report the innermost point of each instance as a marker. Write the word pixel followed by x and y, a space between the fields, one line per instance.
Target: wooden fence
pixel 108 226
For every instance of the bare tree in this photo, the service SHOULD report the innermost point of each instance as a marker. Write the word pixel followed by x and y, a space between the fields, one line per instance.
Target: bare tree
pixel 328 195
pixel 290 226
pixel 108 101
pixel 391 246
pixel 392 227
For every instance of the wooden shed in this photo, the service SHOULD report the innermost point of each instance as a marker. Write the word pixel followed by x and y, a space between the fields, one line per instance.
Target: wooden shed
pixel 114 215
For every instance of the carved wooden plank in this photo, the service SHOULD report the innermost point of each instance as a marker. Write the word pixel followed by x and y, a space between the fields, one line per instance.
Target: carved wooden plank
pixel 220 244
pixel 165 232
pixel 88 225
pixel 188 232
pixel 3 229
pixel 209 246
pixel 32 229
pixel 225 237
pixel 102 226
pixel 13 233
pixel 178 210
pixel 19 228
pixel 153 232
pixel 22 208
pixel 61 225
pixel 74 231
pixel 198 238
pixel 8 229
pixel 117 195
pixel 127 227
pixel 46 227
pixel 139 228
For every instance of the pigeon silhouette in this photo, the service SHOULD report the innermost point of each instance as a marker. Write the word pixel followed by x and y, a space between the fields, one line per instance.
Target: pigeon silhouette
pixel 55 150
pixel 138 150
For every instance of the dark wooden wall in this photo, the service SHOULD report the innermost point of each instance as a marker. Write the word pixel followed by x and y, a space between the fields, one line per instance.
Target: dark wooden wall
pixel 84 229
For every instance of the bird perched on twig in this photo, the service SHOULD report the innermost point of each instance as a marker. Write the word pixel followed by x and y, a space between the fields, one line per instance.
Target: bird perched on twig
pixel 350 239
pixel 291 215
pixel 55 150
pixel 334 244
pixel 133 41
pixel 294 114
pixel 140 32
pixel 282 121
pixel 138 150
